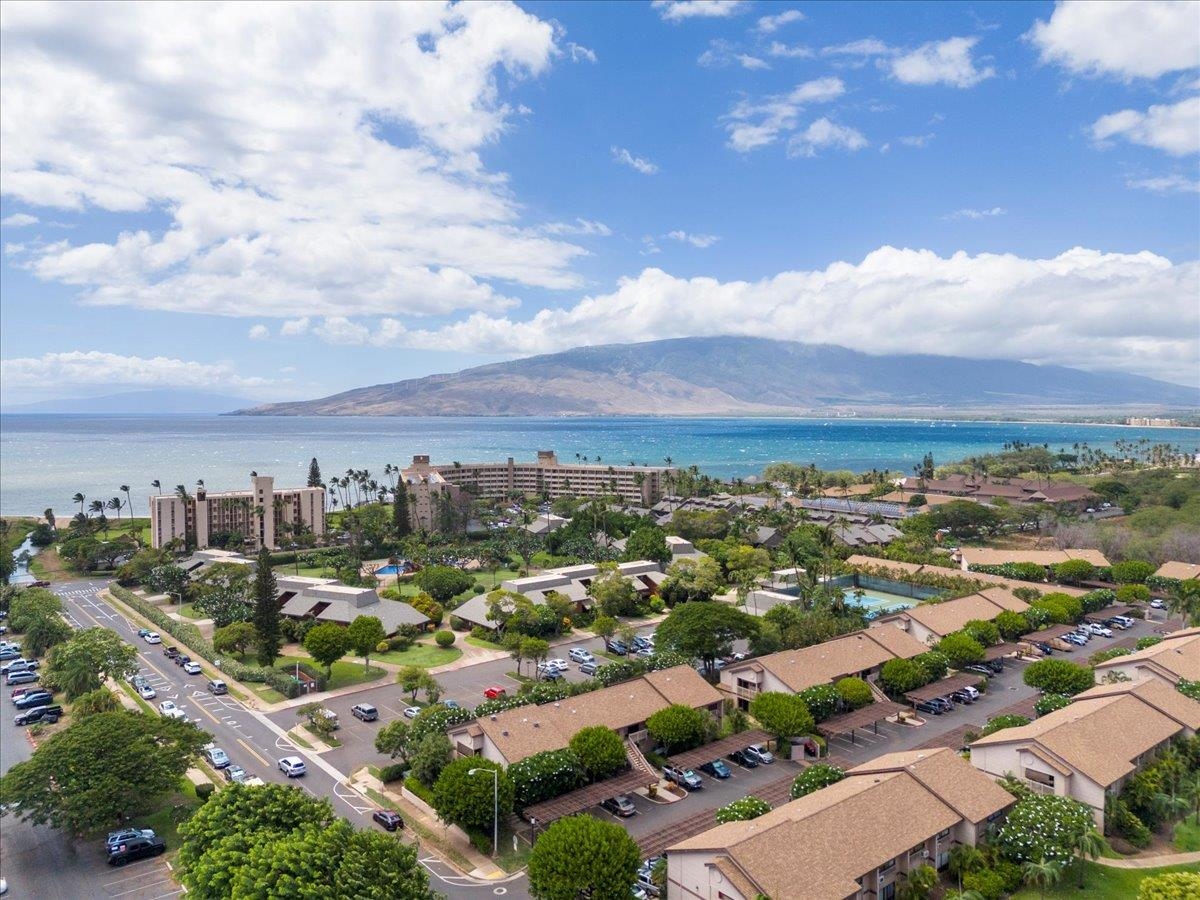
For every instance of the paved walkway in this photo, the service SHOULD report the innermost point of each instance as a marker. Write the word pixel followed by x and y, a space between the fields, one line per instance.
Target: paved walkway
pixel 1150 862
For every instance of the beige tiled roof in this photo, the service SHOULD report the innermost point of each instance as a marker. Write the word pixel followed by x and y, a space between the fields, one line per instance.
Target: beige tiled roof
pixel 526 730
pixel 946 774
pixel 822 663
pixel 816 847
pixel 1178 654
pixel 1156 693
pixel 1099 736
pixel 1181 570
pixel 987 556
pixel 951 615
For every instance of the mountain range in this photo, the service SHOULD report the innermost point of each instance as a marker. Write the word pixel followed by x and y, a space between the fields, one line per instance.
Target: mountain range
pixel 741 376
pixel 161 401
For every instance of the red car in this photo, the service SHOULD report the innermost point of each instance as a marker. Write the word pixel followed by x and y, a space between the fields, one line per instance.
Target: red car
pixel 495 692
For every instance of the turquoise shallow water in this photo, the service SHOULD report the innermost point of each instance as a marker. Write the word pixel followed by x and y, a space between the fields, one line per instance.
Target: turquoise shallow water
pixel 45 459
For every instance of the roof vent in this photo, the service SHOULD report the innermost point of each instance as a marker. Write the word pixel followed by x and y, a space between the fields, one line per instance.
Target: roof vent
pixel 505 732
pixel 557 704
pixel 537 724
pixel 493 717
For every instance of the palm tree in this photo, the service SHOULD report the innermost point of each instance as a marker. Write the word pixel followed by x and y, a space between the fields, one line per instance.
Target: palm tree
pixel 128 503
pixel 1044 873
pixel 1184 601
pixel 965 859
pixel 48 515
pixel 1089 845
pixel 156 484
pixel 80 499
pixel 115 504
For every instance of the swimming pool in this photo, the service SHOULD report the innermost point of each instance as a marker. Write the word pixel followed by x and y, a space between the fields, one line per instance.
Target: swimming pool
pixel 388 570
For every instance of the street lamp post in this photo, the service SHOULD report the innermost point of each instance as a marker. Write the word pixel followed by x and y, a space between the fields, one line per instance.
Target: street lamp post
pixel 495 804
pixel 178 594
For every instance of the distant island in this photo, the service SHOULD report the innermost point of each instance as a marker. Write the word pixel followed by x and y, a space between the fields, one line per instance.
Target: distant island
pixel 735 376
pixel 163 401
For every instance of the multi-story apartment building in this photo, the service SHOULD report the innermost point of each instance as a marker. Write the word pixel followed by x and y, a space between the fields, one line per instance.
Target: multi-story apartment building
pixel 262 515
pixel 640 485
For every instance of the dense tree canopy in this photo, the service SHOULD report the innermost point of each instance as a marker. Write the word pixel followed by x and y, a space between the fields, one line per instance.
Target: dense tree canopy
pixel 677 727
pixel 647 542
pixel 691 579
pixel 599 750
pixel 704 631
pixel 327 643
pixel 86 778
pixel 814 778
pixel 1058 676
pixel 266 610
pixel 80 663
pixel 466 800
pixel 443 583
pixel 613 593
pixel 783 715
pixel 363 635
pixel 583 856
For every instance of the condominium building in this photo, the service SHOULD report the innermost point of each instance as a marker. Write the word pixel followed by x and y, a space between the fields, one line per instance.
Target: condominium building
pixel 263 515
pixel 549 477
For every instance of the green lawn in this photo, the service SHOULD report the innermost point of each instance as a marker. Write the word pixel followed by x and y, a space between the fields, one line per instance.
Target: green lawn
pixel 1102 883
pixel 424 655
pixel 174 811
pixel 480 642
pixel 344 674
pixel 1187 835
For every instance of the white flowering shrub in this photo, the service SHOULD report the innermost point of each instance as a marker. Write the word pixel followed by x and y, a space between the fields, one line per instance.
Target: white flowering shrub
pixel 1044 827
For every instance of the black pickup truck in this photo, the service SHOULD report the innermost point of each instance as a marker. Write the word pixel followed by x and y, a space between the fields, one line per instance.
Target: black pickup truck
pixel 170 652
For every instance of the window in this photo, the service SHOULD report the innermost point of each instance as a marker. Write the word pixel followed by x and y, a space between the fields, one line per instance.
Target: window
pixel 1039 777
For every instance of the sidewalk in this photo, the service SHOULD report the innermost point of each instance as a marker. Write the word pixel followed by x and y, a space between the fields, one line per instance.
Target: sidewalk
pixel 1150 862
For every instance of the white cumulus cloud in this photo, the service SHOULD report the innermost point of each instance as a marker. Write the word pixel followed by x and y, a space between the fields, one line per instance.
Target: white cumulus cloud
pixel 19 220
pixel 580 53
pixel 824 134
pixel 306 157
pixel 696 240
pixel 722 53
pixel 1124 38
pixel 941 62
pixel 584 227
pixel 771 24
pixel 754 123
pixel 977 213
pixel 294 327
pixel 1088 308
pixel 94 367
pixel 1166 184
pixel 637 163
pixel 678 10
pixel 259 332
pixel 1174 128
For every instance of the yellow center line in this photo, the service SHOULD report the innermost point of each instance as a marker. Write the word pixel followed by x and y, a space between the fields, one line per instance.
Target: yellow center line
pixel 253 753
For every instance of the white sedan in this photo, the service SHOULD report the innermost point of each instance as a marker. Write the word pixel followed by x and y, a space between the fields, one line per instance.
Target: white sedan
pixel 411 712
pixel 192 668
pixel 153 638
pixel 147 693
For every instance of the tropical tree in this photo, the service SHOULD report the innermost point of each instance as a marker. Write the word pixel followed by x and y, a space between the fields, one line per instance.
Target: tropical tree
pixel 88 777
pixel 237 637
pixel 783 715
pixel 581 856
pixel 1043 873
pixel 79 664
pixel 677 727
pixel 705 631
pixel 748 807
pixel 814 778
pixel 392 739
pixel 44 632
pixel 326 643
pixel 364 634
pixel 1184 600
pixel 471 801
pixel 600 751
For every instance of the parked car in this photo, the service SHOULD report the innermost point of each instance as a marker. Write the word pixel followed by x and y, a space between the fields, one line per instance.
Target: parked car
pixel 945 703
pixel 742 758
pixel 170 652
pixel 14 666
pixel 619 806
pixel 411 712
pixel 9 654
pixel 716 769
pixel 996 665
pixel 21 678
pixel 388 819
pixel 645 881
pixel 191 667
pixel 217 686
pixel 182 659
pixel 152 637
pixel 979 670
pixel 560 664
pixel 142 632
pixel 49 714
pixel 550 674
pixel 928 706
pixel 234 774
pixel 580 655
pixel 146 692
pixel 640 641
pixel 1123 620
pixel 450 704
pixel 364 712
pixel 965 695
pixel 617 647
pixel 495 692
pixel 292 766
pixel 217 757
pixel 136 848
pixel 645 652
pixel 126 834
pixel 170 710
pixel 760 754
pixel 588 668
pixel 685 778
pixel 33 697
pixel 1157 603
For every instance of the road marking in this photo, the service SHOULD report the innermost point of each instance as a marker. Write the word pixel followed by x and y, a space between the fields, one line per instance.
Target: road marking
pixel 254 753
pixel 141 887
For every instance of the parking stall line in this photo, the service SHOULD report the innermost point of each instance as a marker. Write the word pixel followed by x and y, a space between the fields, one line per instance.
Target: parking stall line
pixel 142 887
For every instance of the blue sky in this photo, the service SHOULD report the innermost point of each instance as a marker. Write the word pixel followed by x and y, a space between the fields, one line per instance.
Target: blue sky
pixel 283 202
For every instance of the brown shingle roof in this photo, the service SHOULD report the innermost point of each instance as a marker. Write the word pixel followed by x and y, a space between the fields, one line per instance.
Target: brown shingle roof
pixel 989 556
pixel 1156 693
pixel 816 847
pixel 822 663
pixel 526 730
pixel 951 615
pixel 1180 570
pixel 950 777
pixel 1099 736
pixel 1177 655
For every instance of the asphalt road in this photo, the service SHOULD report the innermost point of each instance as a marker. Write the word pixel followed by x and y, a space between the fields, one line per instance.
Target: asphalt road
pixel 250 739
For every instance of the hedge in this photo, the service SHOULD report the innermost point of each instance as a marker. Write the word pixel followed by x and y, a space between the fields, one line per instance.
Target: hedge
pixel 1022 571
pixel 189 634
pixel 393 772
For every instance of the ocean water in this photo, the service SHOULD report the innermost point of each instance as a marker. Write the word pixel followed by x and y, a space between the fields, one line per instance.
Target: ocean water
pixel 46 459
